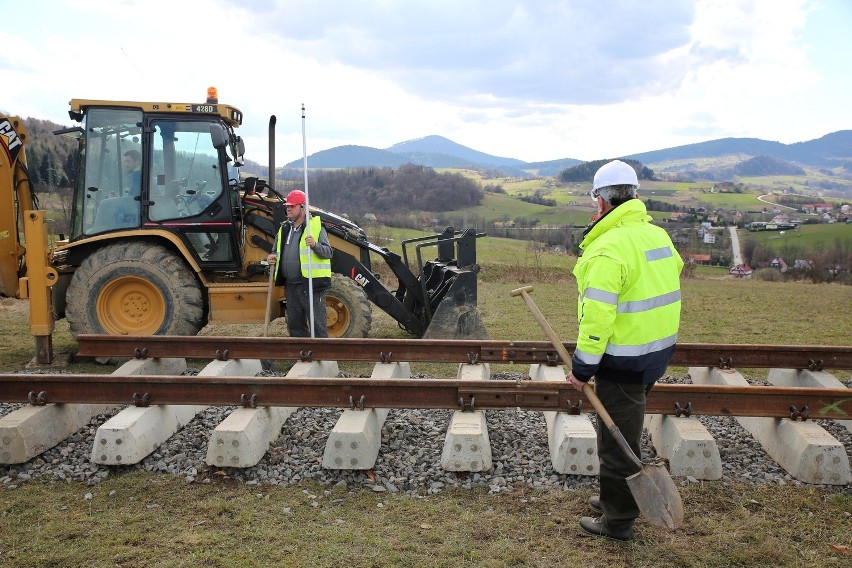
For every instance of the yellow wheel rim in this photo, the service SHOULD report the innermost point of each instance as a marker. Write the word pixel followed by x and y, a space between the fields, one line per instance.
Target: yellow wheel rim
pixel 131 306
pixel 338 316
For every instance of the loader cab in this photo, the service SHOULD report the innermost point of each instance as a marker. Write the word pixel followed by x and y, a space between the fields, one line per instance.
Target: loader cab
pixel 146 170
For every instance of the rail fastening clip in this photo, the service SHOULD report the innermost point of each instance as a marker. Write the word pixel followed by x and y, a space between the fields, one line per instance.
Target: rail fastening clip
pixel 143 401
pixel 39 399
pixel 796 414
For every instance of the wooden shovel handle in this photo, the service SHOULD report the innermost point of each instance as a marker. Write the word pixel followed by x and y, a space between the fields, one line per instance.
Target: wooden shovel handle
pixel 566 358
pixel 269 291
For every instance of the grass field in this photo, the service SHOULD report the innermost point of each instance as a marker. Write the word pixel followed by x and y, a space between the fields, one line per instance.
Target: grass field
pixel 142 519
pixel 806 237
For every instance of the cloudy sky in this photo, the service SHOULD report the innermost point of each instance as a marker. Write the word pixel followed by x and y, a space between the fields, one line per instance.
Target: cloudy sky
pixel 534 80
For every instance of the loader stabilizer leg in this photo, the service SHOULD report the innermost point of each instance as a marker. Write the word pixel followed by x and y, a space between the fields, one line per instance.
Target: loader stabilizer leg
pixel 36 285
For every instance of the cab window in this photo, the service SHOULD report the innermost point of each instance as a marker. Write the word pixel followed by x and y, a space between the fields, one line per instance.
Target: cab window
pixel 185 176
pixel 112 166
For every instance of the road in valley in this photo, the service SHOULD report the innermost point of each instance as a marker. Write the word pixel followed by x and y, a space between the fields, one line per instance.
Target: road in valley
pixel 735 246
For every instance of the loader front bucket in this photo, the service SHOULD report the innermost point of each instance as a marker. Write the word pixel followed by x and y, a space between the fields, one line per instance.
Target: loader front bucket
pixel 457 315
pixel 448 284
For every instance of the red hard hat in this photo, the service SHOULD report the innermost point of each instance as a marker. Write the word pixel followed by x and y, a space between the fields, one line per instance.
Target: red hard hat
pixel 295 197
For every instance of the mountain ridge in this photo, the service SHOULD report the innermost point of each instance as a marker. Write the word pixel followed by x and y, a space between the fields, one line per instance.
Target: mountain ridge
pixel 832 149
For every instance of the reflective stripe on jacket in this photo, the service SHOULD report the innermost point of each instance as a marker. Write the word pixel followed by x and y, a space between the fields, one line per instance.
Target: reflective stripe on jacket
pixel 629 298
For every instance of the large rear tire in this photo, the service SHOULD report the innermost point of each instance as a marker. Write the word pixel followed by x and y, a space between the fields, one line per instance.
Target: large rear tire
pixel 347 308
pixel 134 288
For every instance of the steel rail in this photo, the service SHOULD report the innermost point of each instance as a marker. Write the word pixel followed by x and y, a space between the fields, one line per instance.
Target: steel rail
pixel 815 357
pixel 676 399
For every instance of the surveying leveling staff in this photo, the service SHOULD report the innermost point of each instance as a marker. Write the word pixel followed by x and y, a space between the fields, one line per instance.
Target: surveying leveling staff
pixel 297 248
pixel 629 313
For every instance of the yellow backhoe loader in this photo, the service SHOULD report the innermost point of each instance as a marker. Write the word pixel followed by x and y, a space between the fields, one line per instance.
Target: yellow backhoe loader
pixel 166 236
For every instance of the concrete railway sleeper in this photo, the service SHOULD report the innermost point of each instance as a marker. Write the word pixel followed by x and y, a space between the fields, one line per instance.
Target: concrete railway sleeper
pixel 784 418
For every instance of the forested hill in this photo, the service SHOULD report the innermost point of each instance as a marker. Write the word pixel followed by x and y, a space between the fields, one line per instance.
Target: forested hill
pixel 410 188
pixel 826 151
pixel 51 159
pixel 586 171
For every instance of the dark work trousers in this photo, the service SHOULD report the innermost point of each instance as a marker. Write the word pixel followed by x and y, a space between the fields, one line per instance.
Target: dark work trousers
pixel 625 404
pixel 298 311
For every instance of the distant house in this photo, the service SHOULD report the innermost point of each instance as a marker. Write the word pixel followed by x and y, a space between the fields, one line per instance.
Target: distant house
pixel 676 216
pixel 699 258
pixel 835 269
pixel 725 187
pixel 741 271
pixel 817 207
pixel 778 263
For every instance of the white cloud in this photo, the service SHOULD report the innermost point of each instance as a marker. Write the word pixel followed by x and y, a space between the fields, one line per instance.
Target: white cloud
pixel 534 80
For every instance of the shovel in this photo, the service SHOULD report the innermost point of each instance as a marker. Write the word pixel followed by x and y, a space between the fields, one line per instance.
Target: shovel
pixel 652 487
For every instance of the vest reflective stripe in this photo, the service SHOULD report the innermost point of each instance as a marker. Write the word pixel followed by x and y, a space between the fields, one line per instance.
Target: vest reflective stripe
pixel 644 349
pixel 278 258
pixel 634 306
pixel 601 296
pixel 314 266
pixel 319 267
pixel 587 358
pixel 649 304
pixel 658 254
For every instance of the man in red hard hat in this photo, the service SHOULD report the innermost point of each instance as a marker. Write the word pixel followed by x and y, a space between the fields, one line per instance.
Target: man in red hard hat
pixel 298 254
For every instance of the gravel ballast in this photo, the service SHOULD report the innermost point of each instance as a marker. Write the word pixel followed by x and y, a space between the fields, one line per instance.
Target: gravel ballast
pixel 409 459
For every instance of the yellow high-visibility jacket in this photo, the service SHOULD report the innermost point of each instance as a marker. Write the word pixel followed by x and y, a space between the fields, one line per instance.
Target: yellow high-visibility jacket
pixel 320 268
pixel 629 298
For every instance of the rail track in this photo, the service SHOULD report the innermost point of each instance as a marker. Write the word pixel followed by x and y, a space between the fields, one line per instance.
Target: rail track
pixel 807 392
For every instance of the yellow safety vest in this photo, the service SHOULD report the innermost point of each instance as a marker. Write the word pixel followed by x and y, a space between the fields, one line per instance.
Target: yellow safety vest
pixel 320 267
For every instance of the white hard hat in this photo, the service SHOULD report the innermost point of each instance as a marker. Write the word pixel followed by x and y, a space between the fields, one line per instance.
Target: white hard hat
pixel 615 172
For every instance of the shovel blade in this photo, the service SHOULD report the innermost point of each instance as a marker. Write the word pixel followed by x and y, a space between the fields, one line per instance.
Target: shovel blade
pixel 657 496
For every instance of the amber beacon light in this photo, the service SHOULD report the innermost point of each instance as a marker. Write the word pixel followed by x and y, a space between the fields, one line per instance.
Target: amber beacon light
pixel 212 95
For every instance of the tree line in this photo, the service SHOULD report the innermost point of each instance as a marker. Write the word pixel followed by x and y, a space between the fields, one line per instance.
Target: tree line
pixel 586 171
pixel 386 191
pixel 51 159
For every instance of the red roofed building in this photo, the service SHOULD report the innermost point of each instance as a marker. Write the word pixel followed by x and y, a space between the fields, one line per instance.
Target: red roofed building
pixel 741 271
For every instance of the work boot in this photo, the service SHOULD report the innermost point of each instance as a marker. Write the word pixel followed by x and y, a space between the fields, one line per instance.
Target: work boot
pixel 595 504
pixel 597 526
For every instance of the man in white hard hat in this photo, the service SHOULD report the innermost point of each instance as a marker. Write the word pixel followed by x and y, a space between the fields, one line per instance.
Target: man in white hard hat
pixel 629 312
